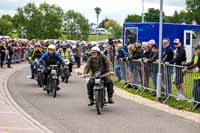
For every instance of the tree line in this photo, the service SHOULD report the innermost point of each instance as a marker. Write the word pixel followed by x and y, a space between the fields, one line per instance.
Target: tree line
pixel 188 15
pixel 51 22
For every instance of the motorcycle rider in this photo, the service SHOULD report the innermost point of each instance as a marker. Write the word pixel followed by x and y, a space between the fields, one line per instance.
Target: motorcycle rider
pixel 51 57
pixel 98 62
pixel 65 53
pixel 35 54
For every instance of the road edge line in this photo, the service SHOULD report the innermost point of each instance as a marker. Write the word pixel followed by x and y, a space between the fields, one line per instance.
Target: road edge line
pixel 11 102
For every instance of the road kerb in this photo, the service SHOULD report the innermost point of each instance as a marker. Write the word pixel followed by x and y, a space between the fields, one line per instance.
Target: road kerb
pixel 11 102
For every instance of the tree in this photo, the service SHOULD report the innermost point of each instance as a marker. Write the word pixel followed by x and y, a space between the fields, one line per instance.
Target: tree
pixel 51 21
pixel 133 18
pixel 193 8
pixel 76 25
pixel 6 25
pixel 27 20
pixel 153 15
pixel 178 16
pixel 39 23
pixel 102 24
pixel 115 27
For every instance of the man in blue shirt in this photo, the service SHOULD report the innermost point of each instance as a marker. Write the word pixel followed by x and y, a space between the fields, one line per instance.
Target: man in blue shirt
pixel 51 57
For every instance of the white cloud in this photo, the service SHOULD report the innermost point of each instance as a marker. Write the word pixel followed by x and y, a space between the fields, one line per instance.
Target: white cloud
pixel 116 9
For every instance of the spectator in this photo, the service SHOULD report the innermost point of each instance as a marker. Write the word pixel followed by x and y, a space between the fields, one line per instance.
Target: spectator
pixel 2 53
pixel 134 55
pixel 9 55
pixel 119 55
pixel 180 57
pixel 151 43
pixel 145 53
pixel 195 65
pixel 154 67
pixel 167 56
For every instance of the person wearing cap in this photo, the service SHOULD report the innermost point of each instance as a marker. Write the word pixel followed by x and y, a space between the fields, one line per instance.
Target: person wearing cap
pixel 98 62
pixel 180 57
pixel 154 66
pixel 167 56
pixel 51 57
pixel 195 66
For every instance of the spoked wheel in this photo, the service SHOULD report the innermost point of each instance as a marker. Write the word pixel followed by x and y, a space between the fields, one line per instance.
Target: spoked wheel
pixel 63 79
pixel 67 80
pixel 54 88
pixel 48 89
pixel 67 76
pixel 98 101
pixel 39 80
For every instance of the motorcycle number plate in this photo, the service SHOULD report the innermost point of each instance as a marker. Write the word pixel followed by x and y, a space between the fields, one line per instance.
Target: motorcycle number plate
pixel 54 77
pixel 97 87
pixel 97 81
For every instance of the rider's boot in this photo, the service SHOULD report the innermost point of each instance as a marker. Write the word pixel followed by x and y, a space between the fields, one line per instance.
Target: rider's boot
pixel 110 100
pixel 91 102
pixel 32 76
pixel 58 88
pixel 44 87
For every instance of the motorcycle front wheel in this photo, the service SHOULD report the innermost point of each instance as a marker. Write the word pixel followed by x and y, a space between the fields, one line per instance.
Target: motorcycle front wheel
pixel 54 88
pixel 98 101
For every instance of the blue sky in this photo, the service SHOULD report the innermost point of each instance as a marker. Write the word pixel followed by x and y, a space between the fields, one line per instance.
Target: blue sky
pixel 115 9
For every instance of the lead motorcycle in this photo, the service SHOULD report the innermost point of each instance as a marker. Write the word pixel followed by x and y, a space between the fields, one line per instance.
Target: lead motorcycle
pixel 99 91
pixel 52 80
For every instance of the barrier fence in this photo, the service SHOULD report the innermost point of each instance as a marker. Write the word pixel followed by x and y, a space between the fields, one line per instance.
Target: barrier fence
pixel 17 57
pixel 176 82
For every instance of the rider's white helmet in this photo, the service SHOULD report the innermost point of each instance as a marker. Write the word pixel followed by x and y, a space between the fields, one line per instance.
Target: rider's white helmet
pixel 95 49
pixel 74 46
pixel 51 46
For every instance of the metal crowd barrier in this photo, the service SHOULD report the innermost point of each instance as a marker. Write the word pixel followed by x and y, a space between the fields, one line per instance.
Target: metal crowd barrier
pixel 175 82
pixel 17 57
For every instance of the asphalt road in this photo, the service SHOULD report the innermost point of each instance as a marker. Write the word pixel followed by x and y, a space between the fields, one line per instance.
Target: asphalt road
pixel 69 113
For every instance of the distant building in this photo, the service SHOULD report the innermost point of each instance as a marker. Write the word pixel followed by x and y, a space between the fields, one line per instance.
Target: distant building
pixel 94 29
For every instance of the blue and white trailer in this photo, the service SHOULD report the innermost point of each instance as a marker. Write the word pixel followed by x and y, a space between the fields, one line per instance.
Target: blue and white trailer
pixel 189 35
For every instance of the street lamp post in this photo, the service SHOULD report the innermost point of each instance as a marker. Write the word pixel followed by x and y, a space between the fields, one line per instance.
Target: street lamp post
pixel 142 11
pixel 22 32
pixel 159 75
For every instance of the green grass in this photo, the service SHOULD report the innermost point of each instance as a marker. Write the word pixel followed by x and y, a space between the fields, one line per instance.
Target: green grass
pixel 93 37
pixel 172 102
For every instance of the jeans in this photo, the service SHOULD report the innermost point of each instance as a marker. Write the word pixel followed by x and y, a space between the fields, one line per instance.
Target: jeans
pixel 196 90
pixel 168 81
pixel 78 61
pixel 118 72
pixel 154 79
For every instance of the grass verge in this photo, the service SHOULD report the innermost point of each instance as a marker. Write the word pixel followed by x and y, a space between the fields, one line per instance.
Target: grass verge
pixel 93 37
pixel 172 102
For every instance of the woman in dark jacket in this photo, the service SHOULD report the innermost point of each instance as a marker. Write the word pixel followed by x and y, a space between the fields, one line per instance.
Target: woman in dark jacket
pixel 2 53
